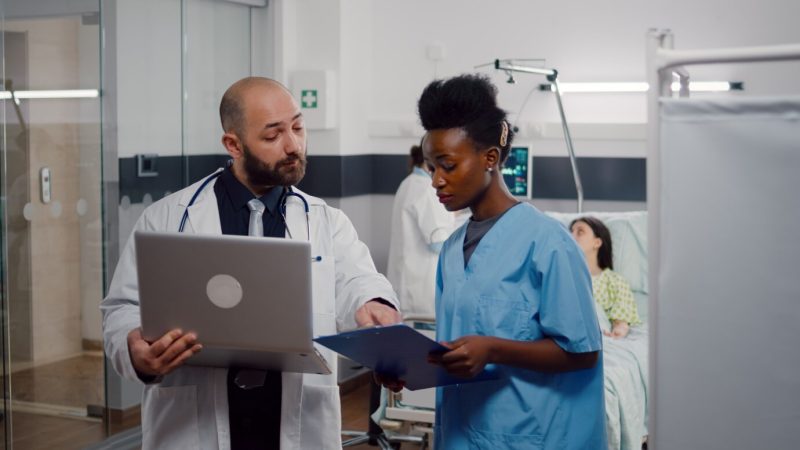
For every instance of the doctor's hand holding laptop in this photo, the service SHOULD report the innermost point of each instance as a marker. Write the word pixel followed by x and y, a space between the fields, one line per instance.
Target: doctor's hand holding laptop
pixel 245 302
pixel 163 355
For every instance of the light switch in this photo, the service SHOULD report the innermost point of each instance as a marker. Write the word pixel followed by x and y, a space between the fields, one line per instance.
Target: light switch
pixel 146 165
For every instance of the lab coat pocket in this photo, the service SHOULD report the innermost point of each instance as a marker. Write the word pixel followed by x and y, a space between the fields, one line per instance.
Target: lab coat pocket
pixel 509 319
pixel 320 421
pixel 169 418
pixel 323 285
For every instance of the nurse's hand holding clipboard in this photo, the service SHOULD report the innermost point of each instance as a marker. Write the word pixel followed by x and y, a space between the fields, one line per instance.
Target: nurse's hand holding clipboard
pixel 467 357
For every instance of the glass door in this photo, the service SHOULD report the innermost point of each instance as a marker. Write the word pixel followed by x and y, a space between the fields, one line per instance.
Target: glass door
pixel 52 240
pixel 71 188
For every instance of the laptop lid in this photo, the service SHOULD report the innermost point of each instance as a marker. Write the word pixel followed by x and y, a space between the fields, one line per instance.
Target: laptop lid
pixel 247 299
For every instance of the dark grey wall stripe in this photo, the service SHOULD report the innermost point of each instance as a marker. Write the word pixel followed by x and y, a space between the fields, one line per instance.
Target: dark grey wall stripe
pixel 621 179
pixel 170 176
pixel 603 178
pixel 350 175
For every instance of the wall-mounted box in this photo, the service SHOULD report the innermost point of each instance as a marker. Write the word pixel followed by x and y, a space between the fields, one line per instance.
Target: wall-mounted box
pixel 315 92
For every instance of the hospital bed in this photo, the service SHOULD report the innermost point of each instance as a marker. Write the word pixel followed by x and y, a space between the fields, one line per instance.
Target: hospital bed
pixel 625 364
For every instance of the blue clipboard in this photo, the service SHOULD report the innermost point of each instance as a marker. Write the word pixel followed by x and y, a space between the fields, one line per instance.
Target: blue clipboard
pixel 399 351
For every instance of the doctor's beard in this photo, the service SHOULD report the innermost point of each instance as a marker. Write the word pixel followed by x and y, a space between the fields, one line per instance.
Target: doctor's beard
pixel 286 172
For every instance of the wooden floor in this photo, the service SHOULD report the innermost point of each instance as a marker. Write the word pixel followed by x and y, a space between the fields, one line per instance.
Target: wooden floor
pixel 40 432
pixel 34 431
pixel 74 382
pixel 355 412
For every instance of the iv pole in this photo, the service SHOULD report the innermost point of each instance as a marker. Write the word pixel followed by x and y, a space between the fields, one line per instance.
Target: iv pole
pixel 552 77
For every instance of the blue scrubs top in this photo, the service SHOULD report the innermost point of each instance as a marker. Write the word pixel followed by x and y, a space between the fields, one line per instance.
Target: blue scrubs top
pixel 526 280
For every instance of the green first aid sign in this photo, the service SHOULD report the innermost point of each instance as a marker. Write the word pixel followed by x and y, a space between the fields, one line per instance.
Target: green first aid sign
pixel 308 98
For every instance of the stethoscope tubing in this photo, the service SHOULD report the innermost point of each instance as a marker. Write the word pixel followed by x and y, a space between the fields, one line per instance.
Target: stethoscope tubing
pixel 205 183
pixel 284 198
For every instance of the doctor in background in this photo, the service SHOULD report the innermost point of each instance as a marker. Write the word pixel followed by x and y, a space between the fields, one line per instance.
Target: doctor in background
pixel 420 225
pixel 206 408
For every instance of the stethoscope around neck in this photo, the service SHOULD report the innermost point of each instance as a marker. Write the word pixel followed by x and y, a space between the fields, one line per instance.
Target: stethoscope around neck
pixel 288 192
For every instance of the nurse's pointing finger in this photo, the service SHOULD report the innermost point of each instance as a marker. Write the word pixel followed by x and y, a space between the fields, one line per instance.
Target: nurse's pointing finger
pixel 376 313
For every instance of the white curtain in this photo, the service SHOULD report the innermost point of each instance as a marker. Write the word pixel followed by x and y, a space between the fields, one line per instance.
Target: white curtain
pixel 727 356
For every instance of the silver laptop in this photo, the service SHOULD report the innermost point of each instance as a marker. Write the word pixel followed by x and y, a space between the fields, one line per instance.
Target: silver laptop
pixel 247 299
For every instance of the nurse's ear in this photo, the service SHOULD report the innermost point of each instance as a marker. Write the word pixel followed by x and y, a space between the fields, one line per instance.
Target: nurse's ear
pixel 492 157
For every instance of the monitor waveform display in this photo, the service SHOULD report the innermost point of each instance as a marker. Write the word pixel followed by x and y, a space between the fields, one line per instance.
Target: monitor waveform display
pixel 516 171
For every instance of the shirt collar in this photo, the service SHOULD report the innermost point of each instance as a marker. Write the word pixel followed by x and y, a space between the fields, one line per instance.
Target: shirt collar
pixel 239 195
pixel 421 171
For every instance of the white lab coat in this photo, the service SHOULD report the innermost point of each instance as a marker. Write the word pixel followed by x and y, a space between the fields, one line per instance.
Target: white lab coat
pixel 188 408
pixel 420 224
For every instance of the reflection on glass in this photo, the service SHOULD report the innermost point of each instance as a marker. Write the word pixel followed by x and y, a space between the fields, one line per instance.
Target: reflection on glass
pixel 54 260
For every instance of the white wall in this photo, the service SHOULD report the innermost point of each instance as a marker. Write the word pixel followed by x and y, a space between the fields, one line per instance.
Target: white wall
pixel 170 111
pixel 585 41
pixel 217 55
pixel 316 46
pixel 355 77
pixel 148 77
pixel 162 109
pixel 379 51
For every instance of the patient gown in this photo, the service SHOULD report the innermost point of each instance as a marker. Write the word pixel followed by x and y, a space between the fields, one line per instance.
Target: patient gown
pixel 526 280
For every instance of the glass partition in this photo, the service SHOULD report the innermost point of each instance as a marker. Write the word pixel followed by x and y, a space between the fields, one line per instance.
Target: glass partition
pixel 51 224
pixel 217 53
pixel 91 89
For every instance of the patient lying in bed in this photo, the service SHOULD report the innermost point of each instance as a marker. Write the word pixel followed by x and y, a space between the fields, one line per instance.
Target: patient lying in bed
pixel 612 293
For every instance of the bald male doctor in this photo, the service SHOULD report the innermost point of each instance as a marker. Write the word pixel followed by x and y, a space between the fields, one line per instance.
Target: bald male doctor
pixel 195 407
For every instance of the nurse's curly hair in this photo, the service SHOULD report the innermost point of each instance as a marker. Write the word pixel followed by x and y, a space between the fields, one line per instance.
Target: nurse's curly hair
pixel 468 102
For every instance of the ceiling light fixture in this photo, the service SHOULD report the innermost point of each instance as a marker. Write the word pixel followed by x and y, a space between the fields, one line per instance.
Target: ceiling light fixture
pixel 618 87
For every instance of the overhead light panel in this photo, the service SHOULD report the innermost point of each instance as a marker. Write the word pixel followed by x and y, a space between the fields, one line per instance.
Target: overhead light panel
pixel 619 87
pixel 52 94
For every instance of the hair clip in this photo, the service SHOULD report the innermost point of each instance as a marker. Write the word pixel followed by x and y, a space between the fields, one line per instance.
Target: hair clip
pixel 504 134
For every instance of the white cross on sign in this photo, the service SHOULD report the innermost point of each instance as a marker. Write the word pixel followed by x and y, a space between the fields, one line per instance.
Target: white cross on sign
pixel 308 98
